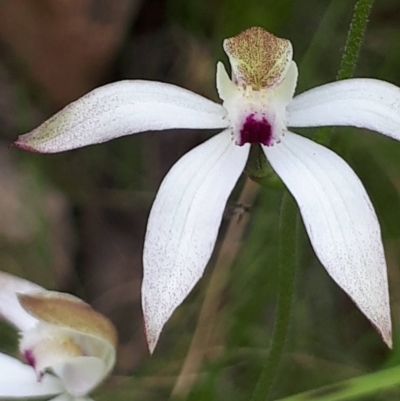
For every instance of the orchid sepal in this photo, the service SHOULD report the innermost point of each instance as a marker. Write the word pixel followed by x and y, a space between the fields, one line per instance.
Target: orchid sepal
pixel 119 109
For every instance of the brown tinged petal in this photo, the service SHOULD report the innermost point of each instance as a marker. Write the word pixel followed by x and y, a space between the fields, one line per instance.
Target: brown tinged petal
pixel 69 312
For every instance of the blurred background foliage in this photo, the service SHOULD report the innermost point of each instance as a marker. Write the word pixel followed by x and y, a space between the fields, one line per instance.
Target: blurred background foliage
pixel 76 221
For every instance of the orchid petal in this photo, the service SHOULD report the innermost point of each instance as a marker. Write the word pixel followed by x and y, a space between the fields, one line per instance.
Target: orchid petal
pixel 340 221
pixel 97 347
pixel 64 397
pixel 119 109
pixel 183 226
pixel 80 375
pixel 10 308
pixel 364 103
pixel 68 397
pixel 285 90
pixel 225 87
pixel 19 380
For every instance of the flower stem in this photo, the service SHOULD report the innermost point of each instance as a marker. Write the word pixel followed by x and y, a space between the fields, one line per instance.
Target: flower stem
pixel 355 36
pixel 289 218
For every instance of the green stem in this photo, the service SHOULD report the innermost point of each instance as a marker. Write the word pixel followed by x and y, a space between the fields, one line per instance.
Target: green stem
pixel 355 36
pixel 351 389
pixel 289 218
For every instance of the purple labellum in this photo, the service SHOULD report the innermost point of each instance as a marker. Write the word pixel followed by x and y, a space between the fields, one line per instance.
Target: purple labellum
pixel 255 131
pixel 30 359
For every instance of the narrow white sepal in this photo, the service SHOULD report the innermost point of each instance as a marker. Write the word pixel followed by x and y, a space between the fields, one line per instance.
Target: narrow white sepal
pixel 10 308
pixel 20 380
pixel 183 226
pixel 123 108
pixel 340 221
pixel 361 102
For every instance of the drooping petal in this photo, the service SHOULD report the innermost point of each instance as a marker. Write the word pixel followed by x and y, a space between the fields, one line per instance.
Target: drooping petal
pixel 119 109
pixel 20 380
pixel 183 226
pixel 10 308
pixel 364 103
pixel 340 221
pixel 80 375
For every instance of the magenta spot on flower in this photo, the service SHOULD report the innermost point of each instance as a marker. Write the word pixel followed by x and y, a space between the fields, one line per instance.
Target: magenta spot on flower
pixel 30 359
pixel 255 131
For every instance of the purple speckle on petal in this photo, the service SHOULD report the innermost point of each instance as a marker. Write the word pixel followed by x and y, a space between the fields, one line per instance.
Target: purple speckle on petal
pixel 255 131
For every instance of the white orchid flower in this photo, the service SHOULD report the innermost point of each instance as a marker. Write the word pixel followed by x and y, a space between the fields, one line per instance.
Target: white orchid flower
pixel 67 347
pixel 258 106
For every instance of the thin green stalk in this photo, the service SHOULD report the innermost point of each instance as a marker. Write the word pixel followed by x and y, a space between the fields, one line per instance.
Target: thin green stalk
pixel 355 36
pixel 289 218
pixel 362 386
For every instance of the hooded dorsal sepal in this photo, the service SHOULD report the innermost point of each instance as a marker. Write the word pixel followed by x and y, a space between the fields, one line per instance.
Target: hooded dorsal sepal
pixel 258 58
pixel 68 312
